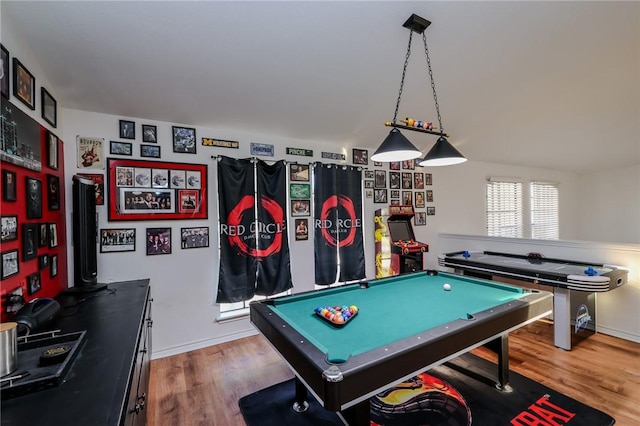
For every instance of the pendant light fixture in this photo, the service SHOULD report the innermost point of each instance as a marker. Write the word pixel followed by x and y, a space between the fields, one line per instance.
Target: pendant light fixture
pixel 396 147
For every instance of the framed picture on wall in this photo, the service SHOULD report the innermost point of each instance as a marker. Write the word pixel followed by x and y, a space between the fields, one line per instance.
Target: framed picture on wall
pixel 43 261
pixel 158 241
pixel 29 241
pixel 53 192
pixel 8 185
pixel 9 228
pixel 53 266
pixel 49 107
pixel 43 235
pixel 10 264
pixel 380 196
pixel 34 284
pixel 419 199
pixel 194 237
pixel 184 140
pixel 117 240
pixel 149 133
pixel 420 219
pixel 127 129
pixel 53 235
pixel 150 151
pixel 52 151
pixel 5 72
pixel 90 152
pixel 360 156
pixel 120 148
pixel 299 172
pixel 24 84
pixel 33 198
pixel 300 207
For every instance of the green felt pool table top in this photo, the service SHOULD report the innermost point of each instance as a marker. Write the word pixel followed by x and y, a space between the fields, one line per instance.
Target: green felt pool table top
pixel 389 310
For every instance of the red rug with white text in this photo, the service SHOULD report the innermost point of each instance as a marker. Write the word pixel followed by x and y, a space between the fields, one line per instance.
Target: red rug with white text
pixel 458 393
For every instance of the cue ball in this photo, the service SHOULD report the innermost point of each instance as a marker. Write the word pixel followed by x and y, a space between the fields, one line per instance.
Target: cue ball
pixel 447 286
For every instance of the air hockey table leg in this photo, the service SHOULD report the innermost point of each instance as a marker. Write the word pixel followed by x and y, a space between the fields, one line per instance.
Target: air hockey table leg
pixel 562 318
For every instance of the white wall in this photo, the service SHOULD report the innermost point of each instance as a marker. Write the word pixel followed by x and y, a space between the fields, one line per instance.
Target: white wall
pixel 610 206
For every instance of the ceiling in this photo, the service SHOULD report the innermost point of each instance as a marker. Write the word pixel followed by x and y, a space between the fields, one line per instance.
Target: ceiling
pixel 553 85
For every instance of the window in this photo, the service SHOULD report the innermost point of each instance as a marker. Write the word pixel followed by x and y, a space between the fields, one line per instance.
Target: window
pixel 504 208
pixel 544 211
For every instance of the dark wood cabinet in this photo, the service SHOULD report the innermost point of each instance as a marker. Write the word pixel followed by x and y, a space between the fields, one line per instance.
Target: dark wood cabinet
pixel 108 382
pixel 136 411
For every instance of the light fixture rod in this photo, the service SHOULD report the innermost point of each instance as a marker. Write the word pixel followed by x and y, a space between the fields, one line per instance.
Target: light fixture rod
pixel 404 72
pixel 416 129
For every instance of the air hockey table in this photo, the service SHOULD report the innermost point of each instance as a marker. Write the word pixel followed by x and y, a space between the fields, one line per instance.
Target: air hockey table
pixel 574 284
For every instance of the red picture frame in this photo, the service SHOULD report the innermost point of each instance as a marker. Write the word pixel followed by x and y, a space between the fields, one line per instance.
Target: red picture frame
pixel 152 190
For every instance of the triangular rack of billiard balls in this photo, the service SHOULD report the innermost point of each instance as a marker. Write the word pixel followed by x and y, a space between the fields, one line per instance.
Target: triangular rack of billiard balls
pixel 338 316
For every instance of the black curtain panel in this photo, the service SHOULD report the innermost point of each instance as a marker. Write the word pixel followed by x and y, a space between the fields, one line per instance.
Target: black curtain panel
pixel 238 264
pixel 351 247
pixel 338 224
pixel 274 266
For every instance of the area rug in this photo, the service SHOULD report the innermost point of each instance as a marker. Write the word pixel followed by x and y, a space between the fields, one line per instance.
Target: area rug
pixel 457 393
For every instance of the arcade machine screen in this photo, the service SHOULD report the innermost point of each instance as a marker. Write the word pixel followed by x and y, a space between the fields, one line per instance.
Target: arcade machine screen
pixel 400 230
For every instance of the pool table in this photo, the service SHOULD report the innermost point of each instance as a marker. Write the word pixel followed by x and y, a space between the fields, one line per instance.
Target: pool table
pixel 405 324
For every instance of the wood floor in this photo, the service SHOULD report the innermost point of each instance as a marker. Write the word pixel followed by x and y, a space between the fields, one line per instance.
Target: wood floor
pixel 202 387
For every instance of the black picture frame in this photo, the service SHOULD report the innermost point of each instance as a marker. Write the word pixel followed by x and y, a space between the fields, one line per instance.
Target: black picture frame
pixel 149 133
pixel 52 151
pixel 9 264
pixel 53 266
pixel 117 240
pixel 24 84
pixel 53 235
pixel 158 241
pixel 9 228
pixel 43 235
pixel 9 185
pixel 299 172
pixel 195 237
pixel 184 139
pixel 4 82
pixel 34 283
pixel 360 156
pixel 380 196
pixel 49 107
pixel 120 148
pixel 150 151
pixel 33 190
pixel 53 192
pixel 29 241
pixel 43 261
pixel 127 129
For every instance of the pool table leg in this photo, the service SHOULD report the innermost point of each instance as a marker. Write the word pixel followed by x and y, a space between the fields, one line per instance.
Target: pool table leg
pixel 301 404
pixel 500 346
pixel 503 364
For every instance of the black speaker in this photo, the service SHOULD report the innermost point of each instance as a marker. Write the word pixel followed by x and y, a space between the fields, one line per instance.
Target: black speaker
pixel 85 230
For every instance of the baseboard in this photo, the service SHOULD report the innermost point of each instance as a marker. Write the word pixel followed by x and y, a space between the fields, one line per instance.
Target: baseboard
pixel 617 333
pixel 175 350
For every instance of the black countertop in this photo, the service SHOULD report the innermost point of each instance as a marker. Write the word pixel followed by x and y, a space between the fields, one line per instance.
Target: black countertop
pixel 94 389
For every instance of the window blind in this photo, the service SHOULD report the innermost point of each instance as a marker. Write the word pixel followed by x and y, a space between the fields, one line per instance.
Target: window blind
pixel 504 208
pixel 544 211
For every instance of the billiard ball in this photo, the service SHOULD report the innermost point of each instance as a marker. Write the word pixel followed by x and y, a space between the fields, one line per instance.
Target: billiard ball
pixel 447 286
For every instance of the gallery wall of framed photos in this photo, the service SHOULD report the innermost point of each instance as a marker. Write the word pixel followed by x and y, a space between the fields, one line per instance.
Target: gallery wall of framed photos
pixel 34 247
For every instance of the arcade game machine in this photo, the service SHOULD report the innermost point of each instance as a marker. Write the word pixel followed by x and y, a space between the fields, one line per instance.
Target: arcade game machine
pixel 397 251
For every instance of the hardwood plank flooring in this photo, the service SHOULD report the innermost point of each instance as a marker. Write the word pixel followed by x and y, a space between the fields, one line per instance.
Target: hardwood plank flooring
pixel 203 387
